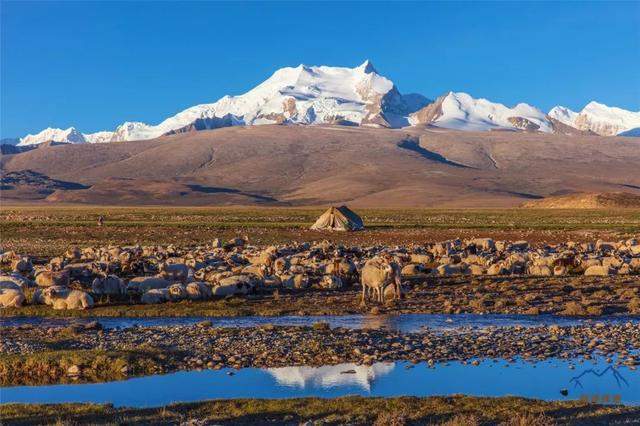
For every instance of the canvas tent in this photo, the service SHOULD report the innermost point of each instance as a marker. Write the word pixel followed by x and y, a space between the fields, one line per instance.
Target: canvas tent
pixel 338 219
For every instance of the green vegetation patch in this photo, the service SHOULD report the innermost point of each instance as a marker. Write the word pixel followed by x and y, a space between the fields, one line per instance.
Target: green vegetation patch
pixel 69 366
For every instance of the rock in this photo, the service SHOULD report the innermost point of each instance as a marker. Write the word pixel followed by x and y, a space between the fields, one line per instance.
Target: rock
pixel 74 328
pixel 321 326
pixel 573 308
pixel 93 325
pixel 554 329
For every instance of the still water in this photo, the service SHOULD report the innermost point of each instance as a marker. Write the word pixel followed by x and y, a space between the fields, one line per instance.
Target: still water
pixel 405 323
pixel 547 380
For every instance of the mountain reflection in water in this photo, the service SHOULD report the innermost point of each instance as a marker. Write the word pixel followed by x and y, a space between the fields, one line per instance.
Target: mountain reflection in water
pixel 331 376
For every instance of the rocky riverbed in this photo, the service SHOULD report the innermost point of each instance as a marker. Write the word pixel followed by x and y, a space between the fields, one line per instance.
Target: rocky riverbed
pixel 53 354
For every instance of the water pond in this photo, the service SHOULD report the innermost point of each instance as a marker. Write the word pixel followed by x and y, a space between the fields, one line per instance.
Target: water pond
pixel 549 380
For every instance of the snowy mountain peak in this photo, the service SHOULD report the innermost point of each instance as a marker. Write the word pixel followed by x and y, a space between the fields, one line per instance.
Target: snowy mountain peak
pixel 593 105
pixel 599 118
pixel 70 135
pixel 367 67
pixel 563 115
pixel 301 95
pixel 463 112
pixel 98 137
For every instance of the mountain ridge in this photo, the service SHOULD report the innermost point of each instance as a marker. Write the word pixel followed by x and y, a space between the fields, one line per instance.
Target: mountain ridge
pixel 359 96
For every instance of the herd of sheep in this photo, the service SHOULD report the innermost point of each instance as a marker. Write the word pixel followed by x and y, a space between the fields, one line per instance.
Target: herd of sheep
pixel 154 274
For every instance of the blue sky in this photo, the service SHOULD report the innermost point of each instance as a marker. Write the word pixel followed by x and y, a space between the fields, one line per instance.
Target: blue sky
pixel 94 65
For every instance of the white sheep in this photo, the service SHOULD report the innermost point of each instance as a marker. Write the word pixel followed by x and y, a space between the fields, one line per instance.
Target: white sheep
pixel 46 278
pixel 177 292
pixel 110 285
pixel 599 271
pixel 330 282
pixel 140 285
pixel 155 296
pixel 199 291
pixel 237 284
pixel 46 296
pixel 176 272
pixel 11 298
pixel 23 282
pixel 539 270
pixel 74 299
pixel 295 281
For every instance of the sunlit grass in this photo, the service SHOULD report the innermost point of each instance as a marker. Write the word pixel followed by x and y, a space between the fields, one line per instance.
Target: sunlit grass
pixel 455 410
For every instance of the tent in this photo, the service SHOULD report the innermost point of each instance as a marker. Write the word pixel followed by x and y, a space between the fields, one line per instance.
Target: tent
pixel 338 219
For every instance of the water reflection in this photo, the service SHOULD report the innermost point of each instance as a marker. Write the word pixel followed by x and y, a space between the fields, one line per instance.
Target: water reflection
pixel 620 380
pixel 303 377
pixel 391 322
pixel 548 380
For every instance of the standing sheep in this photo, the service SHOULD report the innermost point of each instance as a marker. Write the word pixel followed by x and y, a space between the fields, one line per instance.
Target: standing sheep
pixel 376 275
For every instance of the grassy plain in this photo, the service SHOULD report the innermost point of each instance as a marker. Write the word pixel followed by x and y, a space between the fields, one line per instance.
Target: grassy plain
pixel 50 230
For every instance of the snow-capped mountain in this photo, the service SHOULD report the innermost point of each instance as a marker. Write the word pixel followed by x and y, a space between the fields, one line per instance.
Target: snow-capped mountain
pixel 300 95
pixel 599 118
pixel 563 115
pixel 70 135
pixel 98 137
pixel 356 96
pixel 305 377
pixel 462 112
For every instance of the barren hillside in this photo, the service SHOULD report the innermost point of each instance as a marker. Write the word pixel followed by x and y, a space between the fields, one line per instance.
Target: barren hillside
pixel 310 165
pixel 588 201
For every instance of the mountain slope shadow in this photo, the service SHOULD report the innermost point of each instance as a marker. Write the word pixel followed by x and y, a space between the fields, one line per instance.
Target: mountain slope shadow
pixel 413 145
pixel 29 178
pixel 218 190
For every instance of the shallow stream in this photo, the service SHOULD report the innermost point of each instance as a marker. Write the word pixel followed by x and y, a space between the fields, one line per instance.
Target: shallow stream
pixel 405 323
